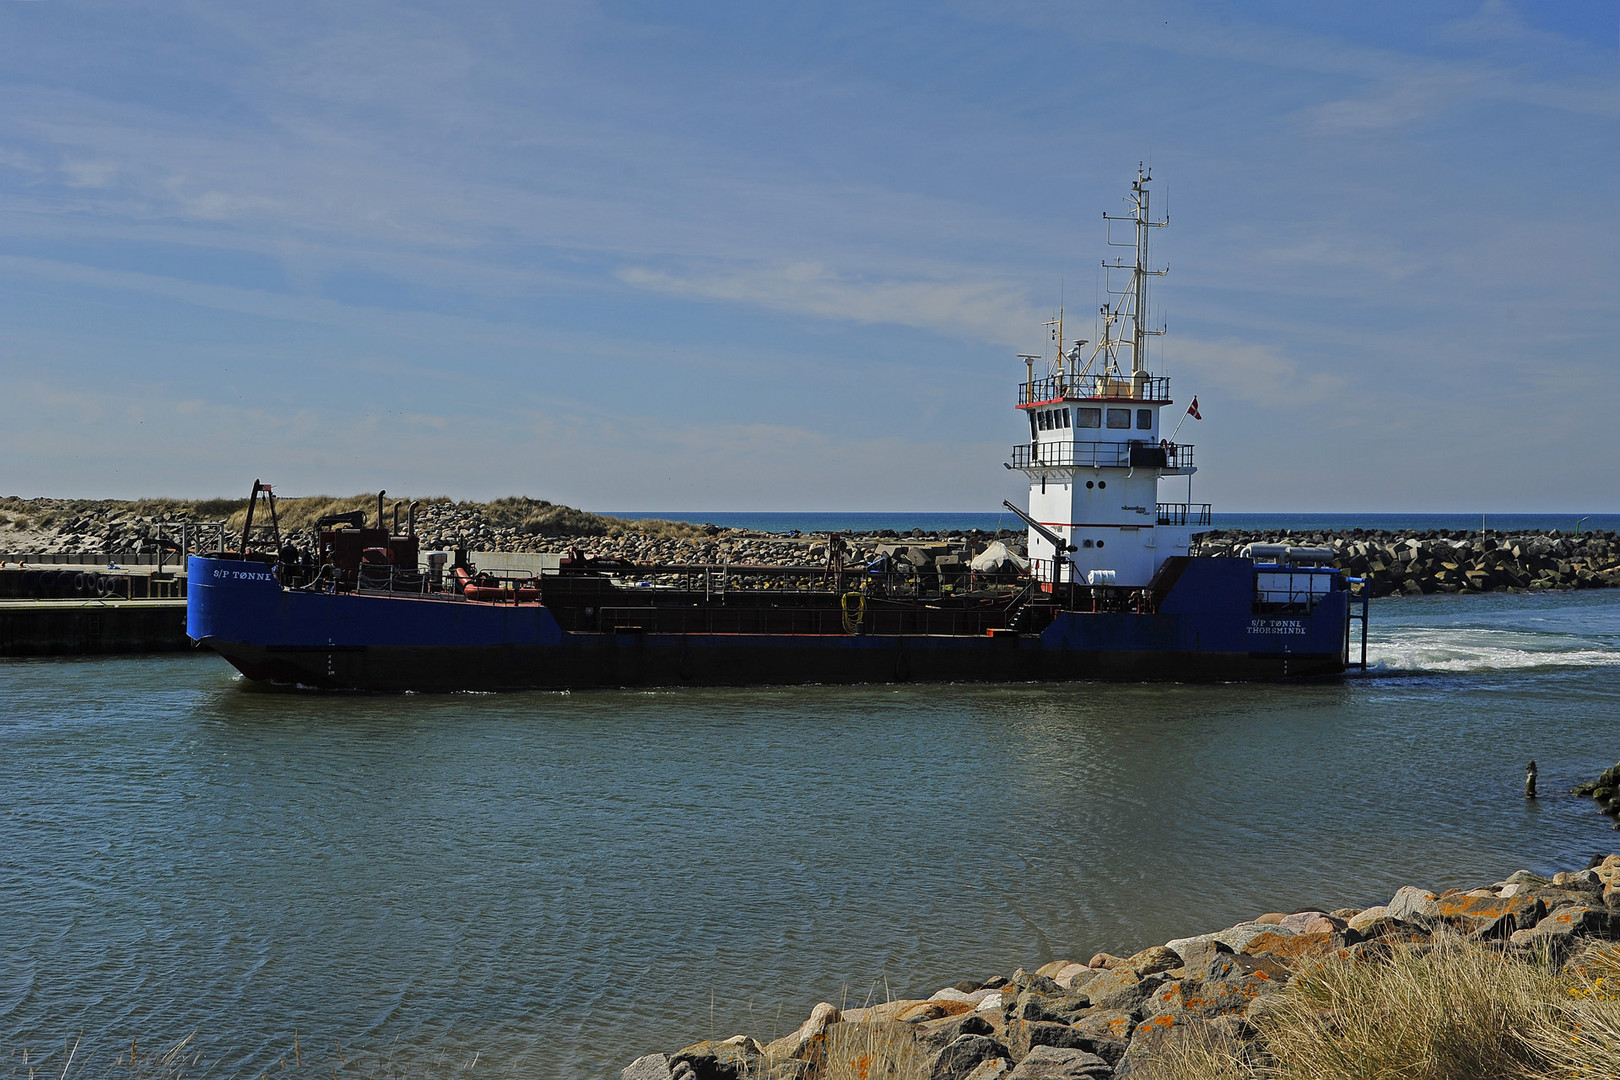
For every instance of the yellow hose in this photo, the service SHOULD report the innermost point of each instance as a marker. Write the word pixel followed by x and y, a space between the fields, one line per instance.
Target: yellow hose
pixel 853 615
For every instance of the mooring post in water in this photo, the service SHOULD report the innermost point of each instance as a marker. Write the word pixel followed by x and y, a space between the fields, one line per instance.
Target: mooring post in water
pixel 1530 780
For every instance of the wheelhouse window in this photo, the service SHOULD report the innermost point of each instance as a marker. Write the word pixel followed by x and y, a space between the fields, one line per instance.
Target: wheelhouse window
pixel 1144 419
pixel 1064 414
pixel 1088 418
pixel 1119 418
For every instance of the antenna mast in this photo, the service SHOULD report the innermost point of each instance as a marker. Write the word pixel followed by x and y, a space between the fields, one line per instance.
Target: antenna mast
pixel 1131 302
pixel 1055 324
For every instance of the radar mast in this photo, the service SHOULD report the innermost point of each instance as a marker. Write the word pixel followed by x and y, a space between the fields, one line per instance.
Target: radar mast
pixel 1130 303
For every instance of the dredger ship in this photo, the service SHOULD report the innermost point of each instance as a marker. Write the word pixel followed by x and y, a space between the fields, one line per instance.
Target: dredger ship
pixel 1110 588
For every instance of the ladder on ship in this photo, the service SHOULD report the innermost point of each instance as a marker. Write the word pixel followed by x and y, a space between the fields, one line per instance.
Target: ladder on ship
pixel 714 582
pixel 1356 616
pixel 1020 606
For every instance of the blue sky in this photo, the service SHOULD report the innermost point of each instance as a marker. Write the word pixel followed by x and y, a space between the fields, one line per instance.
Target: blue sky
pixel 751 256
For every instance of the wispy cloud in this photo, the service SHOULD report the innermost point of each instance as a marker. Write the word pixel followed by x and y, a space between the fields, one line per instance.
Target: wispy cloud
pixel 1259 375
pixel 1389 85
pixel 989 311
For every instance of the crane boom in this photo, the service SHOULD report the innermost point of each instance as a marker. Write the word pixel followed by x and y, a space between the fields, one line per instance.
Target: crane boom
pixel 1048 535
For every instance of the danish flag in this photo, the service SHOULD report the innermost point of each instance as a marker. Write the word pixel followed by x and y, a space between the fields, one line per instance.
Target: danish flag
pixel 1192 410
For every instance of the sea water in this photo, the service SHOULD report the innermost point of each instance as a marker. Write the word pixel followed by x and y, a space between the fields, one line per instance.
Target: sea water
pixel 957 523
pixel 549 885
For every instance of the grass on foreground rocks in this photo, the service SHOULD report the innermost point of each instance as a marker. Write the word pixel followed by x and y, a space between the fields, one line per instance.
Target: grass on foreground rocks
pixel 1456 1010
pixel 886 1051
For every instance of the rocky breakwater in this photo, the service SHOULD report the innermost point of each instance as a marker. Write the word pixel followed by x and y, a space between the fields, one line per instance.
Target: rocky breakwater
pixel 63 526
pixel 944 554
pixel 1450 562
pixel 1112 1016
pixel 1605 791
pixel 141 526
pixel 109 527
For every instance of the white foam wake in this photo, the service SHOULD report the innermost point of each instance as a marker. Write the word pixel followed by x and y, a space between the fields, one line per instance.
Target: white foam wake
pixel 1466 649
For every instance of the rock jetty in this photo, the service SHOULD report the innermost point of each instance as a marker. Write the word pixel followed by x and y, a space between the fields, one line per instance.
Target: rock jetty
pixel 113 527
pixel 122 527
pixel 1450 562
pixel 116 527
pixel 1108 1016
pixel 1605 791
pixel 1391 563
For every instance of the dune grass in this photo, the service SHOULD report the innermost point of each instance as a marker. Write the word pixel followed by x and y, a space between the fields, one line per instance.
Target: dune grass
pixel 1580 1034
pixel 525 515
pixel 529 517
pixel 878 1051
pixel 1453 1010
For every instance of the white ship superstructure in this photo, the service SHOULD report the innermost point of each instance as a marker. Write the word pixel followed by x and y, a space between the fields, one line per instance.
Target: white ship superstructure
pixel 1097 450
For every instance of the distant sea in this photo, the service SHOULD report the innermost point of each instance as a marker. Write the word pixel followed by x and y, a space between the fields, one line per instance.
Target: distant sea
pixel 817 522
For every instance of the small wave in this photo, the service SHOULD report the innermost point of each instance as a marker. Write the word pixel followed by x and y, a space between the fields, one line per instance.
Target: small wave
pixel 1472 649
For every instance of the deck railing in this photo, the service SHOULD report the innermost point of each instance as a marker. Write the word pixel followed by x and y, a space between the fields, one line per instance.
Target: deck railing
pixel 1095 388
pixel 1184 514
pixel 834 621
pixel 1137 453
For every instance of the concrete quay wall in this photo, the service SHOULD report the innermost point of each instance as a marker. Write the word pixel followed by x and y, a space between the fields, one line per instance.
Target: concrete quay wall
pixel 88 627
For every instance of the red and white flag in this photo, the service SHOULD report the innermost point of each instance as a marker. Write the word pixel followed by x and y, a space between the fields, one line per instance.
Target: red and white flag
pixel 1192 410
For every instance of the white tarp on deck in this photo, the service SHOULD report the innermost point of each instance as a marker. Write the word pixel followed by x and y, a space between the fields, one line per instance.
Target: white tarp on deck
pixel 997 557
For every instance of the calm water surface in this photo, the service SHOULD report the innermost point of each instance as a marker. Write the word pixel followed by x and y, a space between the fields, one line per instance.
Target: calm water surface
pixel 810 522
pixel 558 883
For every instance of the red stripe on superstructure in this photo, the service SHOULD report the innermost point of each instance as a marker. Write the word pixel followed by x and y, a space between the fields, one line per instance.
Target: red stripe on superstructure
pixel 1100 400
pixel 1092 525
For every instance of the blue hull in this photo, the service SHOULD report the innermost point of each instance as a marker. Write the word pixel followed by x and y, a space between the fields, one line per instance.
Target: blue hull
pixel 1207 627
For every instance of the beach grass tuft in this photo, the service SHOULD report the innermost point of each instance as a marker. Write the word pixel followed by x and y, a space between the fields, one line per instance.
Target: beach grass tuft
pixel 876 1051
pixel 1453 1010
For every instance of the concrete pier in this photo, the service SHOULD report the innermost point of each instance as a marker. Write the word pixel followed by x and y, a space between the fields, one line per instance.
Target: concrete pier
pixel 83 627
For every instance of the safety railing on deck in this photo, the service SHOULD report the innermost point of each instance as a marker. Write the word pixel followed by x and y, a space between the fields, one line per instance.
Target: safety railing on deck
pixel 1071 592
pixel 1095 387
pixel 368 578
pixel 874 620
pixel 715 583
pixel 1133 453
pixel 1184 514
pixel 391 579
